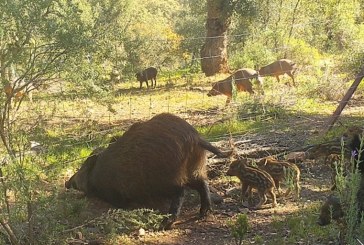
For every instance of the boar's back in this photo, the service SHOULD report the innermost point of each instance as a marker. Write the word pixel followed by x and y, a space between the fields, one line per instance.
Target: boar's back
pixel 151 159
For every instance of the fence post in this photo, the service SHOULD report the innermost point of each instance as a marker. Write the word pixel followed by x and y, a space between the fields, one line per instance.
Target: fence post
pixel 344 101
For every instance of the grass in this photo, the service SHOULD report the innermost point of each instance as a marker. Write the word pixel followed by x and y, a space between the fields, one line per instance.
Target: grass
pixel 301 227
pixel 70 125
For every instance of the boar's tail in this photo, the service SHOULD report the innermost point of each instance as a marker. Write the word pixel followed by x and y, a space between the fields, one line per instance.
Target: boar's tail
pixel 206 145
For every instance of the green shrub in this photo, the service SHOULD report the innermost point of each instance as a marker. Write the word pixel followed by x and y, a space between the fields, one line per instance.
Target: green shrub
pixel 348 187
pixel 125 221
pixel 251 55
pixel 239 227
pixel 302 53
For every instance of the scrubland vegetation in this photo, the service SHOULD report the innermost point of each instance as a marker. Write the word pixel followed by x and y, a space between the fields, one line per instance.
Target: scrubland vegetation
pixel 79 59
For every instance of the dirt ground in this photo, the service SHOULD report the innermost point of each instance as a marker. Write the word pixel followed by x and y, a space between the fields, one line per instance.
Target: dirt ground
pixel 315 184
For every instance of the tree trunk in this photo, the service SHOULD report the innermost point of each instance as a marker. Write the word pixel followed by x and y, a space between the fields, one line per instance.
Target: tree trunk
pixel 214 51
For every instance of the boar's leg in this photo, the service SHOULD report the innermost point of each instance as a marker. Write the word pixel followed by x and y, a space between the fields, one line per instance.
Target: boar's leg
pixel 278 186
pixel 278 80
pixel 274 199
pixel 155 82
pixel 245 192
pixel 174 209
pixel 250 195
pixel 141 83
pixel 297 190
pixel 202 187
pixel 291 76
pixel 228 100
pixel 262 199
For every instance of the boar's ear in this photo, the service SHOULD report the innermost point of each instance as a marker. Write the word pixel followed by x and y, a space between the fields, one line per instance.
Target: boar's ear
pixel 80 180
pixel 68 183
pixel 242 163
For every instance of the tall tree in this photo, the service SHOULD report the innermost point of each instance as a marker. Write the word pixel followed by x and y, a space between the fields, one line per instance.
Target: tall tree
pixel 214 51
pixel 40 40
pixel 219 13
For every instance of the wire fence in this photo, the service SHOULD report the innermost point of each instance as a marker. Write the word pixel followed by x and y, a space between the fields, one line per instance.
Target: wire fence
pixel 78 115
pixel 83 122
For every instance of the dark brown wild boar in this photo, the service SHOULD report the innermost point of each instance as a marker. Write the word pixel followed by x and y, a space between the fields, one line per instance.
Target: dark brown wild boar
pixel 153 160
pixel 338 166
pixel 331 209
pixel 334 209
pixel 355 136
pixel 277 68
pixel 147 74
pixel 281 170
pixel 252 177
pixel 242 80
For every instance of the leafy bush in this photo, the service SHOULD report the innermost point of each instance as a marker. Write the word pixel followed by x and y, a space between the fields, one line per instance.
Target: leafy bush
pixel 126 221
pixel 251 55
pixel 348 187
pixel 302 53
pixel 239 227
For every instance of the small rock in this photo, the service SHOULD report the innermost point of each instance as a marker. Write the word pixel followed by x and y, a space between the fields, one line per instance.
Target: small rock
pixel 216 198
pixel 141 232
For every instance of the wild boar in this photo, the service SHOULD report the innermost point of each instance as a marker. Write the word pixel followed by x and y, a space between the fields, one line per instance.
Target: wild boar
pixel 356 146
pixel 331 209
pixel 279 170
pixel 251 177
pixel 147 74
pixel 277 68
pixel 348 144
pixel 242 80
pixel 334 209
pixel 338 165
pixel 152 160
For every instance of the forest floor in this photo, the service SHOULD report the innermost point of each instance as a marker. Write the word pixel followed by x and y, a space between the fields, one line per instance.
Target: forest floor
pixel 291 222
pixel 264 225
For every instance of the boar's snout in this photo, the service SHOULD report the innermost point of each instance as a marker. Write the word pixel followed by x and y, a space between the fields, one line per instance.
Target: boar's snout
pixel 213 92
pixel 330 209
pixel 68 184
pixel 324 220
pixel 231 172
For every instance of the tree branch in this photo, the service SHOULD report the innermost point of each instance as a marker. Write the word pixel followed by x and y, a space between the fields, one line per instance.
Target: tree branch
pixel 9 232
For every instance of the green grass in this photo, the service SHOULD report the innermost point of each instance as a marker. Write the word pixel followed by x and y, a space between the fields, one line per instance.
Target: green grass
pixel 72 125
pixel 301 227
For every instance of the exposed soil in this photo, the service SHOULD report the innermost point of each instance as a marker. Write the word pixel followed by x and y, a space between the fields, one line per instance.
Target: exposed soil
pixel 315 184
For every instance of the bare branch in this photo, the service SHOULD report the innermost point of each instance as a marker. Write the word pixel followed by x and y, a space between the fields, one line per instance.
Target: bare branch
pixel 9 232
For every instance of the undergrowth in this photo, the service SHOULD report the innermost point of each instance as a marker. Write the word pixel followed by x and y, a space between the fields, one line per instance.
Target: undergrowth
pixel 36 183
